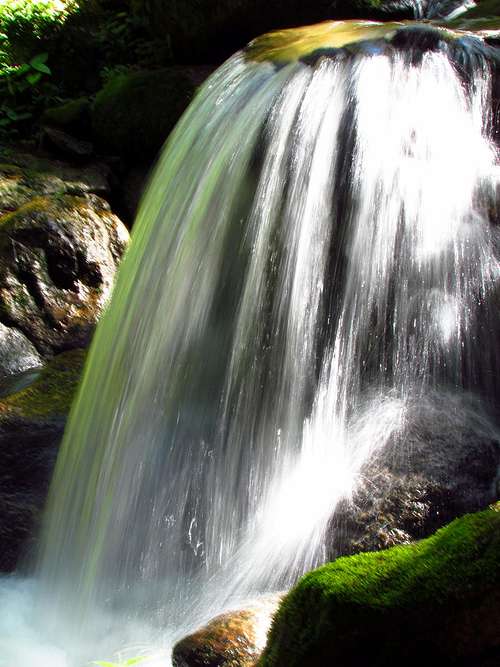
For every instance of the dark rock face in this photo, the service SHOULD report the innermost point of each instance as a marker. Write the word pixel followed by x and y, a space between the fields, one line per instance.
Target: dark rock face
pixel 28 452
pixel 58 257
pixel 233 639
pixel 445 463
pixel 31 427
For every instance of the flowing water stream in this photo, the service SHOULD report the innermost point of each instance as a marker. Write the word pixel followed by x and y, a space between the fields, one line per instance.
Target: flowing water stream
pixel 316 252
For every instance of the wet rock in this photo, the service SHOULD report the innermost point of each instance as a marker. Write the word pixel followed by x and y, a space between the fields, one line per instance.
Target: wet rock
pixel 233 639
pixel 31 427
pixel 58 258
pixel 446 462
pixel 17 354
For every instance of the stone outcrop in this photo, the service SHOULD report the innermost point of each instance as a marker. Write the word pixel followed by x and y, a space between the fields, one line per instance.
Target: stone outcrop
pixel 233 639
pixel 60 246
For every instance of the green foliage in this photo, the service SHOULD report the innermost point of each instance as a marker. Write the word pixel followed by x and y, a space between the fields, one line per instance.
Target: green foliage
pixel 126 663
pixel 124 40
pixel 380 608
pixel 22 89
pixel 24 23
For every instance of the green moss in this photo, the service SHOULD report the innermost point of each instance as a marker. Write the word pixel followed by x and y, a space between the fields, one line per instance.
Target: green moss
pixel 52 392
pixel 435 597
pixel 134 113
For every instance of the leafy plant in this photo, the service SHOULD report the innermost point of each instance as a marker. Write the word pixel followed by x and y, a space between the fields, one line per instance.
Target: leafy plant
pixel 23 23
pixel 19 88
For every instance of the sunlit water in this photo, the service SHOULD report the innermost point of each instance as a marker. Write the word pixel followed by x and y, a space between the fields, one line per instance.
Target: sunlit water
pixel 314 256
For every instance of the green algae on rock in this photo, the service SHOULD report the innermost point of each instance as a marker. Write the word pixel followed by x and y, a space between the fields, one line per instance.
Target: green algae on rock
pixel 24 176
pixel 52 392
pixel 284 46
pixel 438 597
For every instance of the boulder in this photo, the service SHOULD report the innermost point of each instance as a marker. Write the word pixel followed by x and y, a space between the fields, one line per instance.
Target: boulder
pixel 31 427
pixel 445 463
pixel 134 113
pixel 17 354
pixel 433 601
pixel 58 258
pixel 73 116
pixel 24 177
pixel 233 639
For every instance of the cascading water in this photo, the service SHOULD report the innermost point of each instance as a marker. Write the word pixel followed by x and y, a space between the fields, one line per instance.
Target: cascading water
pixel 316 252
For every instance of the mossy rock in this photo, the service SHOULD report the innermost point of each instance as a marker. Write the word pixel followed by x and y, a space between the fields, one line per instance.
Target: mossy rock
pixel 74 116
pixel 434 601
pixel 24 176
pixel 134 113
pixel 31 428
pixel 52 392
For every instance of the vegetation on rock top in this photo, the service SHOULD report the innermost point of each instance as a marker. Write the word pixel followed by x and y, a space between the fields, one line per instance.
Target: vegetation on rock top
pixel 436 597
pixel 52 392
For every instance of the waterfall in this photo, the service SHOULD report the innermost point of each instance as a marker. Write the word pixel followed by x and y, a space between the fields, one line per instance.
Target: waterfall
pixel 316 252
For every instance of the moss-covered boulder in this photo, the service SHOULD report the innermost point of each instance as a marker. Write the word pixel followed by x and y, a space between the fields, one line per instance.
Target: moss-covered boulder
pixel 31 427
pixel 134 113
pixel 432 602
pixel 73 116
pixel 233 639
pixel 58 258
